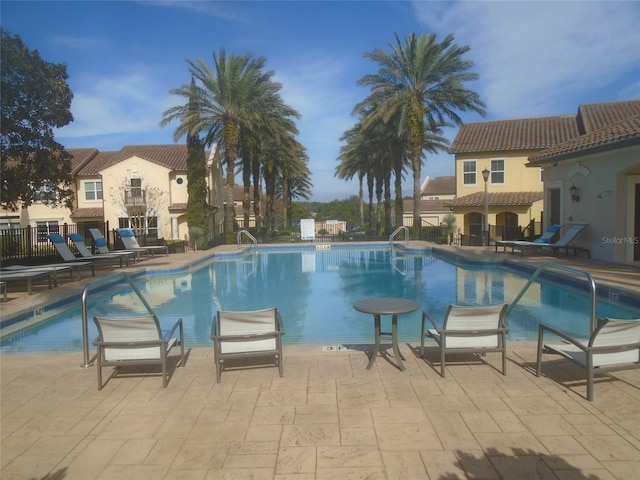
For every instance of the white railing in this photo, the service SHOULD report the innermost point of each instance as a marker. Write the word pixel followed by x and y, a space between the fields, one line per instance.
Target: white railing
pixel 557 266
pixel 397 231
pixel 249 236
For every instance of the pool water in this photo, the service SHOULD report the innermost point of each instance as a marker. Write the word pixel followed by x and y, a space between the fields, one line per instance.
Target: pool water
pixel 315 291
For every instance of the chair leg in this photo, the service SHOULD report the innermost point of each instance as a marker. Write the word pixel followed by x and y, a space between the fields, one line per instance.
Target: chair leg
pixel 539 358
pixel 99 369
pixel 442 360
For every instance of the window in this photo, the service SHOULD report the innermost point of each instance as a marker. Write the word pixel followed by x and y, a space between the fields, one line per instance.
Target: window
pixel 497 171
pixel 469 172
pixel 46 227
pixel 145 226
pixel 135 187
pixel 45 193
pixel 93 190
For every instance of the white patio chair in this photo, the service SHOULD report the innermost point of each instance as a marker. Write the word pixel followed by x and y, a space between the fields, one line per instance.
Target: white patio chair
pixel 478 329
pixel 136 341
pixel 614 345
pixel 256 333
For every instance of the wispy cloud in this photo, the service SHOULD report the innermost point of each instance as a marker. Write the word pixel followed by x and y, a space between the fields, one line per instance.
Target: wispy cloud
pixel 224 10
pixel 532 55
pixel 121 104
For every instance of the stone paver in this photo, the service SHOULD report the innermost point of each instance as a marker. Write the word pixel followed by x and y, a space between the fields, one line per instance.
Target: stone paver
pixel 328 418
pixel 255 424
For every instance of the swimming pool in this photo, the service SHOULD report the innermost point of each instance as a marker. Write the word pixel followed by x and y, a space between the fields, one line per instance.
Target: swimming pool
pixel 315 291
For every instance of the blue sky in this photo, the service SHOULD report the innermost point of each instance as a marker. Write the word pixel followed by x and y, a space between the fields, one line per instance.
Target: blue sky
pixel 534 59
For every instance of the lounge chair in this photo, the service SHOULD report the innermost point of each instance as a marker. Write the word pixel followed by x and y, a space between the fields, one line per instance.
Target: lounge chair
pixel 544 238
pixel 469 330
pixel 565 242
pixel 72 267
pixel 614 345
pixel 82 248
pixel 28 277
pixel 3 291
pixel 102 247
pixel 136 341
pixel 63 250
pixel 130 242
pixel 240 335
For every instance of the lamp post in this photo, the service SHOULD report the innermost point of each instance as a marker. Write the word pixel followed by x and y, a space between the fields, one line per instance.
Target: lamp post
pixel 485 175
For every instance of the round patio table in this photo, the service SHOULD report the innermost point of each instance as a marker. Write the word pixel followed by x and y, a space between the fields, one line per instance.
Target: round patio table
pixel 386 306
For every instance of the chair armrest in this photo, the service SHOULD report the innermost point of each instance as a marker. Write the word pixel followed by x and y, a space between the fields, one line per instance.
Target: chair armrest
pixel 245 337
pixel 280 322
pixel 474 332
pixel 427 316
pixel 560 334
pixel 147 343
pixel 170 333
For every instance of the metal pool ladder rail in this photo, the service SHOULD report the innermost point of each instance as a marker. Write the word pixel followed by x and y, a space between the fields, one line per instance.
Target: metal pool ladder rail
pixel 85 321
pixel 397 231
pixel 557 266
pixel 251 237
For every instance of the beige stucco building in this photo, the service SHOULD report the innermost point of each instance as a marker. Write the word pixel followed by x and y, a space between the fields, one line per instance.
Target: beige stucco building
pixel 526 188
pixel 595 179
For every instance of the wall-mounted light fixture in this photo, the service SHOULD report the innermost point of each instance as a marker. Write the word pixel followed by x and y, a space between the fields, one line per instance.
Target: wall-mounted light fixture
pixel 573 191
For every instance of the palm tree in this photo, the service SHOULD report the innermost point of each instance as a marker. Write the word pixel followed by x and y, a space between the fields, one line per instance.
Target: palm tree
pixel 228 101
pixel 421 84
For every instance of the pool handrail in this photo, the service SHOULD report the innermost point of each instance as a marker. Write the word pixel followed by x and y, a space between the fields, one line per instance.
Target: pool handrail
pixel 397 231
pixel 251 237
pixel 85 320
pixel 557 266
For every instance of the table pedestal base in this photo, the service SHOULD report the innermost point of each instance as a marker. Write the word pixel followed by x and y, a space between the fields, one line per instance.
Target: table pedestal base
pixel 394 342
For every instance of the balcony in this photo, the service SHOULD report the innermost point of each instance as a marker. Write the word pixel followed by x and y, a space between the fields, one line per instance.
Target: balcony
pixel 135 198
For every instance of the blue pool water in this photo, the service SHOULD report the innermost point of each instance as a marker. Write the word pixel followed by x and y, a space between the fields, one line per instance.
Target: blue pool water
pixel 315 291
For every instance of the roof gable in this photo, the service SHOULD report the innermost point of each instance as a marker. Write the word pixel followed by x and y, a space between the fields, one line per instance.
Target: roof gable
pixel 440 186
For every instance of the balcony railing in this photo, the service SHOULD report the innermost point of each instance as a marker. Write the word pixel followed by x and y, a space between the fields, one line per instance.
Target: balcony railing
pixel 135 198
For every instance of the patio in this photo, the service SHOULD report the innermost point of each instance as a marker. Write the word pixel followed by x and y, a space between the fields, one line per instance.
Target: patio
pixel 321 421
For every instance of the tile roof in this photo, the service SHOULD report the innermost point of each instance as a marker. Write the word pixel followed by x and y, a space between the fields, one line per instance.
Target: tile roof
pixel 598 115
pixel 617 135
pixel 173 157
pixel 496 199
pixel 540 133
pixel 95 212
pixel 101 161
pixel 440 186
pixel 80 156
pixel 508 135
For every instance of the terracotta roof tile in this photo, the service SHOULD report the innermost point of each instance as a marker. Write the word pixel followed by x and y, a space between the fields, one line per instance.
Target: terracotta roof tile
pixel 522 134
pixel 101 161
pixel 623 133
pixel 440 186
pixel 496 199
pixel 598 115
pixel 80 156
pixel 173 157
pixel 87 213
